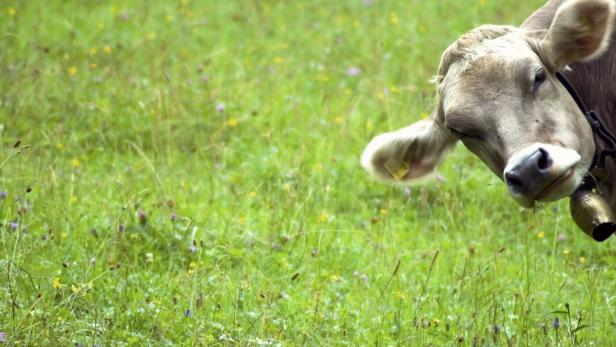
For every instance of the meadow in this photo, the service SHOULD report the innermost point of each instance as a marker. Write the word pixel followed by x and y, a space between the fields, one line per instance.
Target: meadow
pixel 187 173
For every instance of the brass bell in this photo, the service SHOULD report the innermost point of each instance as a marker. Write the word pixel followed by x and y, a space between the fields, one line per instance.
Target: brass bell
pixel 592 214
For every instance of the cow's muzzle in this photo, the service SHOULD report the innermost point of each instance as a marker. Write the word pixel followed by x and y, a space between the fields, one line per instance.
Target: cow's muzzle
pixel 541 172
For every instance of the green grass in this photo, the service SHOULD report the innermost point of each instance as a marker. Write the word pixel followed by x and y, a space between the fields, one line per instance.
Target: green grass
pixel 156 219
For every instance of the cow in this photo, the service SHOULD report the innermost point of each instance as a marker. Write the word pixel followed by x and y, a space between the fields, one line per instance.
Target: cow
pixel 517 98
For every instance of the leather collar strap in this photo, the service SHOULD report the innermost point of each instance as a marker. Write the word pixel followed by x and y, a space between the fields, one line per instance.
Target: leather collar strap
pixel 598 129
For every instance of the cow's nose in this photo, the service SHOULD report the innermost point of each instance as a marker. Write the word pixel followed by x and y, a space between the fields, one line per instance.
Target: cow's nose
pixel 531 174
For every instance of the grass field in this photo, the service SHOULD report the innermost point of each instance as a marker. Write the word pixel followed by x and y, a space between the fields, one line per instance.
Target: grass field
pixel 187 173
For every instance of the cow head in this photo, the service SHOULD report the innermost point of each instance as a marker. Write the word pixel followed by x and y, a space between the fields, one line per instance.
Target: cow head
pixel 497 93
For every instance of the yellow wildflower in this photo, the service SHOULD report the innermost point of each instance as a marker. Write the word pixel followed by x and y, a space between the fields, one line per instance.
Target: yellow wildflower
pixel 233 122
pixel 107 50
pixel 252 194
pixel 75 163
pixel 192 265
pixel 151 36
pixel 11 11
pixel 582 260
pixel 541 234
pixel 400 295
pixel 72 71
pixel 56 283
pixel 74 288
pixel 93 51
pixel 93 65
pixel 566 251
pixel 393 18
pixel 335 278
pixel 324 217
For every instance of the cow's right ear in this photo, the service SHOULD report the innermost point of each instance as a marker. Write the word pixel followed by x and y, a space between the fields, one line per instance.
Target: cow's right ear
pixel 406 155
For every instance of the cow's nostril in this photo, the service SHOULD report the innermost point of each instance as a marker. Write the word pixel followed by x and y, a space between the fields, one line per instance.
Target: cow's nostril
pixel 514 180
pixel 544 162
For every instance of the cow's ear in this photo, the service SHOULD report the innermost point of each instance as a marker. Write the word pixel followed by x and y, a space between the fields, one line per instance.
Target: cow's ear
pixel 580 31
pixel 408 154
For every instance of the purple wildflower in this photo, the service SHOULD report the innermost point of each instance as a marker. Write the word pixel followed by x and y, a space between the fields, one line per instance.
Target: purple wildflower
pixel 2 337
pixel 561 237
pixel 188 313
pixel 556 323
pixel 174 216
pixel 353 71
pixel 3 195
pixel 220 107
pixel 368 2
pixel 14 225
pixel 121 228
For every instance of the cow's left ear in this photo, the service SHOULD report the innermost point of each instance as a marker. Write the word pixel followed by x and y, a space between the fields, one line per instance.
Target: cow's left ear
pixel 580 31
pixel 406 155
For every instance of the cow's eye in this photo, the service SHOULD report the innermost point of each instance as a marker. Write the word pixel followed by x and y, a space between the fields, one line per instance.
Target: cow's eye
pixel 463 135
pixel 539 79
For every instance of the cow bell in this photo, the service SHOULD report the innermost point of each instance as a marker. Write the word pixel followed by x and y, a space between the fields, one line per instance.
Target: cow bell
pixel 592 214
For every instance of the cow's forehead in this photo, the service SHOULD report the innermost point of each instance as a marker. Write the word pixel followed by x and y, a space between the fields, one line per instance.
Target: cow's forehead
pixel 492 67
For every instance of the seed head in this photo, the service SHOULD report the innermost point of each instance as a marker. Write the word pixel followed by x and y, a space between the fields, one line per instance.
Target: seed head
pixel 496 329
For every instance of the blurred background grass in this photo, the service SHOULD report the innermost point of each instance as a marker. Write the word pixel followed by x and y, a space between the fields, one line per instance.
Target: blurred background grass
pixel 187 172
